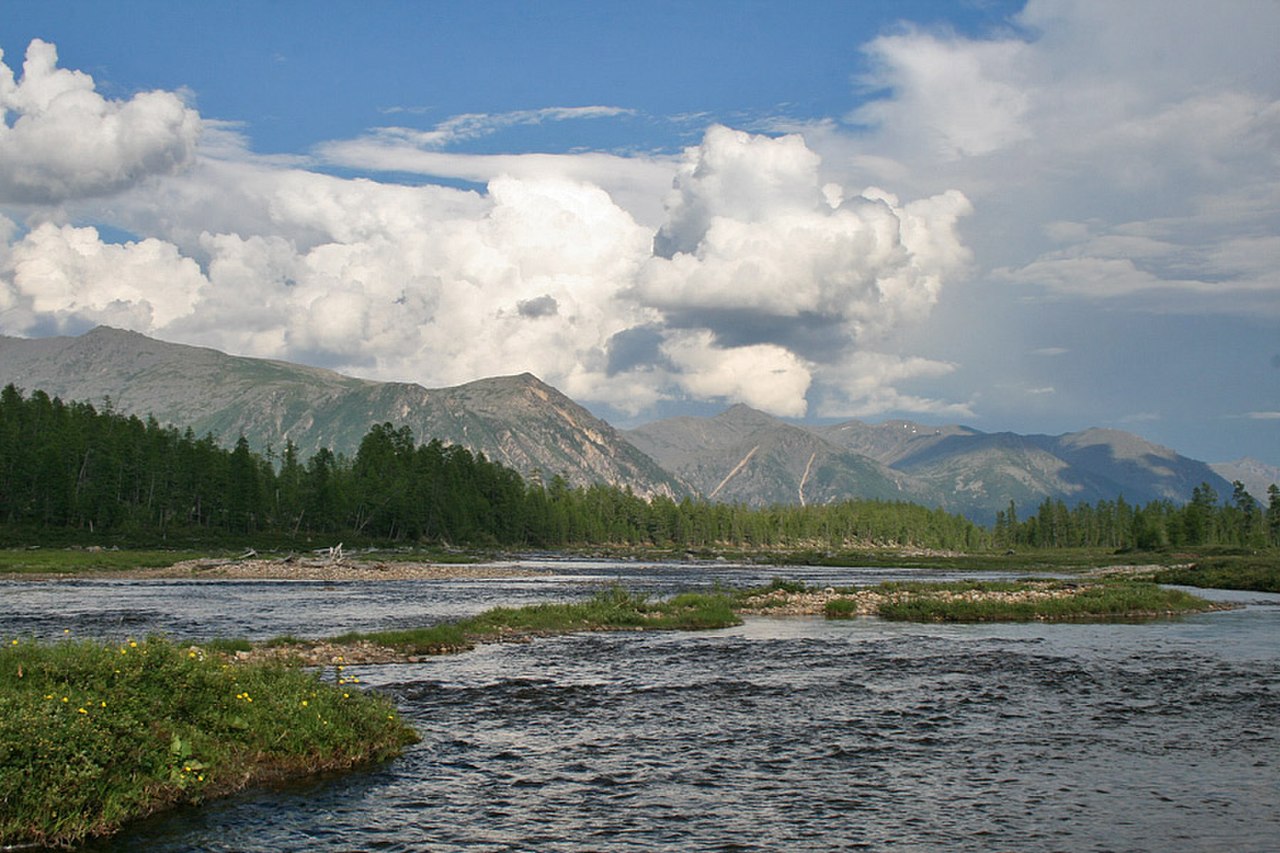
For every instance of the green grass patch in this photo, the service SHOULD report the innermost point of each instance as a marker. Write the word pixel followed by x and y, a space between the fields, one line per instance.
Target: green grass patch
pixel 763 599
pixel 840 608
pixel 1103 601
pixel 613 609
pixel 227 645
pixel 1252 572
pixel 57 561
pixel 927 587
pixel 93 736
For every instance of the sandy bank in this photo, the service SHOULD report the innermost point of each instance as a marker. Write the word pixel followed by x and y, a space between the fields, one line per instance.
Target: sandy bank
pixel 294 568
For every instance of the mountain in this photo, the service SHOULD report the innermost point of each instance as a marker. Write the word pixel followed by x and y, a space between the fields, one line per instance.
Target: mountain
pixel 1256 476
pixel 516 420
pixel 753 457
pixel 743 455
pixel 984 471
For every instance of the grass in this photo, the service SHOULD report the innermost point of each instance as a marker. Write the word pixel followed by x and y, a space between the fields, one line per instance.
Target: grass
pixel 992 601
pixel 613 609
pixel 1257 573
pixel 56 561
pixel 1102 601
pixel 93 736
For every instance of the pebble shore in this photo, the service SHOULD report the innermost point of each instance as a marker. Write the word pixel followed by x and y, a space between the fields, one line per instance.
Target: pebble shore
pixel 780 602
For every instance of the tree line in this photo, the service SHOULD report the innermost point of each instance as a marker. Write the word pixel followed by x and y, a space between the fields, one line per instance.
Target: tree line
pixel 70 467
pixel 1237 520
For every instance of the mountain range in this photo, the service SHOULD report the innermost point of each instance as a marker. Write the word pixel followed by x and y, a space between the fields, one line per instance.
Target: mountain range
pixel 741 455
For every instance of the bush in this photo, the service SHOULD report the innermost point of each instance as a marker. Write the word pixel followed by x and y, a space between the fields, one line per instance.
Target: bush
pixel 92 736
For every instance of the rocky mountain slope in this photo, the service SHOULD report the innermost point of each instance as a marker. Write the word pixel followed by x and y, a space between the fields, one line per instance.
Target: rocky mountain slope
pixel 1256 476
pixel 746 456
pixel 959 468
pixel 516 420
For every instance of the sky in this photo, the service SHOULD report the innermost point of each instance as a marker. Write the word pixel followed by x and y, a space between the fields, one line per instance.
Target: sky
pixel 1038 217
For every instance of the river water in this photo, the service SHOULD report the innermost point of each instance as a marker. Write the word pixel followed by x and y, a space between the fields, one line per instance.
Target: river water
pixel 782 734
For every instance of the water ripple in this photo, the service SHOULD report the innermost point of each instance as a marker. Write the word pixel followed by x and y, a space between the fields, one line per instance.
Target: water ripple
pixel 779 735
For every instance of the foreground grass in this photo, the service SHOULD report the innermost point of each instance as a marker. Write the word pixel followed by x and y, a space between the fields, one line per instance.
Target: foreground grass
pixel 613 609
pixel 92 736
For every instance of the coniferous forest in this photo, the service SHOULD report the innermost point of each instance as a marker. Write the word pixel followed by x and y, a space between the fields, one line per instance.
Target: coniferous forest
pixel 69 468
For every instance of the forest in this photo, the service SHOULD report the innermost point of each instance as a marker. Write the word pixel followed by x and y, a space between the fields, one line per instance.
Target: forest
pixel 70 469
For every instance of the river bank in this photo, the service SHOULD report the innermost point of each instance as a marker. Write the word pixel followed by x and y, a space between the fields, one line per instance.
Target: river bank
pixel 291 568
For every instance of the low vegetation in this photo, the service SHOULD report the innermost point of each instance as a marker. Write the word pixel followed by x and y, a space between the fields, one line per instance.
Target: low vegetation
pixel 92 736
pixel 1100 601
pixel 1253 572
pixel 981 601
pixel 57 561
pixel 613 609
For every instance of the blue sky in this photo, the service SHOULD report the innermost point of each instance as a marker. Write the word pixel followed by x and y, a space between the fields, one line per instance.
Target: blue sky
pixel 1037 217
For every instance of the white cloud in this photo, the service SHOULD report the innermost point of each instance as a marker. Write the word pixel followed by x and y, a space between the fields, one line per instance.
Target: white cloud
pixel 64 140
pixel 751 230
pixel 637 184
pixel 68 276
pixel 765 376
pixel 767 277
pixel 1119 132
pixel 470 126
pixel 951 97
pixel 865 384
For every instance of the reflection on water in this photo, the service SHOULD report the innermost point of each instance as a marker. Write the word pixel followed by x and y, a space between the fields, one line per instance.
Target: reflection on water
pixel 781 734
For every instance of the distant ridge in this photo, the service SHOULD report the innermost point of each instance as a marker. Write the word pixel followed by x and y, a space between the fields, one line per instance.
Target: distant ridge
pixel 1256 476
pixel 746 456
pixel 959 468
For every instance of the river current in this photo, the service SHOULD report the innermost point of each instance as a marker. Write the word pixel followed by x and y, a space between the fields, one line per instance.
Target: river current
pixel 782 734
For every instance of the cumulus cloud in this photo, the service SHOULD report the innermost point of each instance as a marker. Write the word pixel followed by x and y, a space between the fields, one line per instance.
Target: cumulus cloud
pixel 60 139
pixel 759 253
pixel 766 376
pixel 951 97
pixel 68 277
pixel 756 279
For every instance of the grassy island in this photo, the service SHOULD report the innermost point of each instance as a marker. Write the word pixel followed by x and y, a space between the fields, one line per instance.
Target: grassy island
pixel 983 601
pixel 93 735
pixel 612 609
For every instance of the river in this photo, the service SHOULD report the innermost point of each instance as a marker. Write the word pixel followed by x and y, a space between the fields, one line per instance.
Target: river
pixel 782 734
